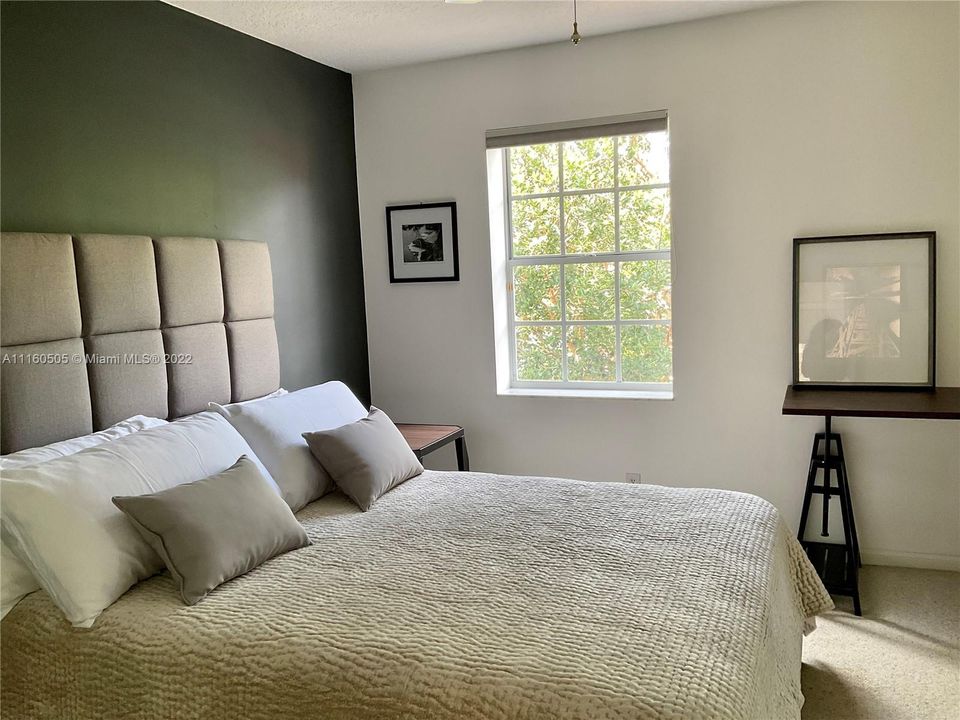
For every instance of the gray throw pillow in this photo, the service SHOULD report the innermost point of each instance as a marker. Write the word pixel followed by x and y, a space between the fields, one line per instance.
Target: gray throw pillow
pixel 365 458
pixel 215 529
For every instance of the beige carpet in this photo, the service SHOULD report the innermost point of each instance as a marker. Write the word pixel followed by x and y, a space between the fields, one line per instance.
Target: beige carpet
pixel 900 661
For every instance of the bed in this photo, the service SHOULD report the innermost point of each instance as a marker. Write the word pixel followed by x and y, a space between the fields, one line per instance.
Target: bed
pixel 458 595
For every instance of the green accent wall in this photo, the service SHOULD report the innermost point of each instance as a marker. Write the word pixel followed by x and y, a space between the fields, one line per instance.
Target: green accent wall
pixel 140 118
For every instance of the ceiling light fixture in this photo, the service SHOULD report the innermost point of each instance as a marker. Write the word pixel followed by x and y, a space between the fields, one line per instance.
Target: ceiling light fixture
pixel 575 35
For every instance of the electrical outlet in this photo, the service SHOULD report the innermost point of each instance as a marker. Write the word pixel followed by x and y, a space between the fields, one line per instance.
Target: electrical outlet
pixel 633 478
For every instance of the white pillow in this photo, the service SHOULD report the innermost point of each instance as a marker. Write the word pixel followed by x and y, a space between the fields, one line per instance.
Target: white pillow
pixel 274 428
pixel 61 520
pixel 37 455
pixel 16 580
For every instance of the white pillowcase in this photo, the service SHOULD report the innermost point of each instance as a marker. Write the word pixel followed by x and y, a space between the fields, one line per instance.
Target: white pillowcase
pixel 37 455
pixel 274 428
pixel 61 520
pixel 16 580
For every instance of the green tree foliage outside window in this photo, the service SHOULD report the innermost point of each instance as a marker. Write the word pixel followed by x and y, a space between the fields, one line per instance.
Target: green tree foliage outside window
pixel 579 317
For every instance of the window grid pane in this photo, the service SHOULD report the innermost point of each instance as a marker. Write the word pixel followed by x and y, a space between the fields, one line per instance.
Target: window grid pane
pixel 539 352
pixel 590 291
pixel 645 223
pixel 591 353
pixel 590 225
pixel 536 292
pixel 645 290
pixel 634 347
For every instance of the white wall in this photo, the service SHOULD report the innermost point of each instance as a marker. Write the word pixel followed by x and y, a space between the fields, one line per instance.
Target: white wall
pixel 798 120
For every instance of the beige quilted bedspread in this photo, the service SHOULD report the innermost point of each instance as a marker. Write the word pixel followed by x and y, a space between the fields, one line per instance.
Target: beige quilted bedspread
pixel 458 596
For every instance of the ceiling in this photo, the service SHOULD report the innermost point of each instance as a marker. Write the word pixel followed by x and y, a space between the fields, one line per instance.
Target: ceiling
pixel 368 34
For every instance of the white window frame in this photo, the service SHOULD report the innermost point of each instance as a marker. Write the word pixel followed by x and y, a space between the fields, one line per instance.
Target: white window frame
pixel 499 161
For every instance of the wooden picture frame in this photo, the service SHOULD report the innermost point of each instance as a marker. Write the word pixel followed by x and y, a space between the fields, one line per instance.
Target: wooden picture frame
pixel 864 311
pixel 422 242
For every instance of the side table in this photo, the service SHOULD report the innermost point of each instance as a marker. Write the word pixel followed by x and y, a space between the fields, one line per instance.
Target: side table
pixel 424 439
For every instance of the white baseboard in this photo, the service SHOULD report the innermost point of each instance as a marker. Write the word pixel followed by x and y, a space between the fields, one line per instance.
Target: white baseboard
pixel 911 560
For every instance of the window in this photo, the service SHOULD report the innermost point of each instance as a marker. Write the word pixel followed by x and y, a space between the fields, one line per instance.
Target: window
pixel 586 260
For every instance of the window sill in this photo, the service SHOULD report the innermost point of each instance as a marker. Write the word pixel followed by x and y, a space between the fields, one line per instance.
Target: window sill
pixel 595 394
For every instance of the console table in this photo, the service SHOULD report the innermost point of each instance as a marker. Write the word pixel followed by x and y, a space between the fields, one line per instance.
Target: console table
pixel 838 564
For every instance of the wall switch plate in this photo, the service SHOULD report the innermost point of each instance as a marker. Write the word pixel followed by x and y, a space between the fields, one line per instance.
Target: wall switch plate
pixel 633 478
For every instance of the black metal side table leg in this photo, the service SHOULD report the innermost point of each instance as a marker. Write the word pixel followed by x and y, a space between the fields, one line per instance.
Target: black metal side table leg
pixel 836 564
pixel 809 490
pixel 828 467
pixel 845 487
pixel 852 574
pixel 463 460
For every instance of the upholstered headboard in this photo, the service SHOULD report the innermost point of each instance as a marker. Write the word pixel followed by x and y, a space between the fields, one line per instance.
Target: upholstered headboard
pixel 97 328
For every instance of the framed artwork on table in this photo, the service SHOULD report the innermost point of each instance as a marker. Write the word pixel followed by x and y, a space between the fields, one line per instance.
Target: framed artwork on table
pixel 422 242
pixel 864 311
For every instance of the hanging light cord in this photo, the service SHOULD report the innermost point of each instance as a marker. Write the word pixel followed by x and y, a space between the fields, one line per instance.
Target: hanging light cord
pixel 575 35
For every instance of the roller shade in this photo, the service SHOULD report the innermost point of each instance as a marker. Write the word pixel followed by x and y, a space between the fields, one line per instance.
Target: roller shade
pixel 578 130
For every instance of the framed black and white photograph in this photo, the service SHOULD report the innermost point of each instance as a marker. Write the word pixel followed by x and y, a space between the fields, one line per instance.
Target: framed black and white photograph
pixel 422 242
pixel 864 310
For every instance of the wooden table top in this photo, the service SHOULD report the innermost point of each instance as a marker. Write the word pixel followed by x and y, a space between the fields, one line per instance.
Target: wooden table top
pixel 940 404
pixel 421 436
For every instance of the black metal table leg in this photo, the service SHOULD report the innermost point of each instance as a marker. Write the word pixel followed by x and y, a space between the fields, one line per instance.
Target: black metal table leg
pixel 827 482
pixel 463 460
pixel 808 492
pixel 837 564
pixel 852 576
pixel 846 491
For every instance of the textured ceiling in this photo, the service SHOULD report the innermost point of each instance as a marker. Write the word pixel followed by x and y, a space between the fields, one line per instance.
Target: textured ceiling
pixel 368 35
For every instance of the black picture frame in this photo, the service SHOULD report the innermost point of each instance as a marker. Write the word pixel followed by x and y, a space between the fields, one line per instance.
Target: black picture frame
pixel 929 239
pixel 400 217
